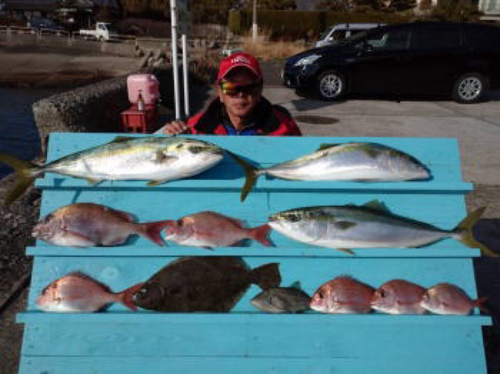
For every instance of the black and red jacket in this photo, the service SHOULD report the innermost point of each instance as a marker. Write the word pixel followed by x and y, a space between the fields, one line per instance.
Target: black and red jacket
pixel 269 119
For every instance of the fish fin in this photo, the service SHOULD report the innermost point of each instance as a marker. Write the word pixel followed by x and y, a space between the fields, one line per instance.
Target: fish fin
pixel 260 234
pixel 250 175
pixel 324 146
pixel 125 297
pixel 120 139
pixel 161 158
pixel 344 225
pixel 466 236
pixel 347 250
pixel 479 303
pixel 93 181
pixel 296 285
pixel 377 205
pixel 152 230
pixel 78 240
pixel 266 276
pixel 158 182
pixel 26 174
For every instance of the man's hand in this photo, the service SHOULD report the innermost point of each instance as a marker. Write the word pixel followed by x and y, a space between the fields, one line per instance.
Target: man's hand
pixel 176 127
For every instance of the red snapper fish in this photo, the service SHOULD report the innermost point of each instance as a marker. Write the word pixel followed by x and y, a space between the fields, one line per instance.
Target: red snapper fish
pixel 446 298
pixel 90 225
pixel 77 292
pixel 343 294
pixel 398 296
pixel 211 229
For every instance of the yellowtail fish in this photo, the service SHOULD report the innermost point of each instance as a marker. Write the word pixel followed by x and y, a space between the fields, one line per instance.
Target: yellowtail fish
pixel 364 162
pixel 369 226
pixel 77 292
pixel 154 159
pixel 89 225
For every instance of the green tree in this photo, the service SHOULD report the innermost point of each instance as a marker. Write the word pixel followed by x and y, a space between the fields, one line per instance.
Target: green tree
pixel 333 5
pixel 369 4
pixel 400 5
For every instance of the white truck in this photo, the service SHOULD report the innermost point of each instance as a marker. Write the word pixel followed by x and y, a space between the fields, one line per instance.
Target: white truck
pixel 103 32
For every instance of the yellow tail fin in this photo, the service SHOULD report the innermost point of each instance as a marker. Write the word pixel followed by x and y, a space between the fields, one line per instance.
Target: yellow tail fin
pixel 26 173
pixel 250 175
pixel 464 229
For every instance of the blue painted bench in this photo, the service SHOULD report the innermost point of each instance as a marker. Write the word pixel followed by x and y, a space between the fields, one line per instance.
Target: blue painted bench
pixel 247 340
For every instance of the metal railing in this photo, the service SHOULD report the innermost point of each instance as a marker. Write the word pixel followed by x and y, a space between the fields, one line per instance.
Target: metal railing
pixel 52 32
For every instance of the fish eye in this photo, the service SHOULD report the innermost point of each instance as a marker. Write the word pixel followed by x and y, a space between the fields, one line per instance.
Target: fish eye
pixel 292 217
pixel 196 149
pixel 321 295
pixel 382 293
pixel 180 222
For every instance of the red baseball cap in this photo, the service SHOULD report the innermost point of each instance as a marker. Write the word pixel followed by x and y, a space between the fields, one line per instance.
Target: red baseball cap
pixel 239 59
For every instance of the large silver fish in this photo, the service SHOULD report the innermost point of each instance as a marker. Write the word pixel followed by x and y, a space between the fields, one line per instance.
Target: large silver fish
pixel 367 226
pixel 155 159
pixel 365 162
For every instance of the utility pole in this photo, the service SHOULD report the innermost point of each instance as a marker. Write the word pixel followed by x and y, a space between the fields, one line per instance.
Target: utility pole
pixel 175 62
pixel 254 22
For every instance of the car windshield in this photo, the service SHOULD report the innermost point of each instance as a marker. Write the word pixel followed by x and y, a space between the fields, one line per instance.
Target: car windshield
pixel 353 38
pixel 325 33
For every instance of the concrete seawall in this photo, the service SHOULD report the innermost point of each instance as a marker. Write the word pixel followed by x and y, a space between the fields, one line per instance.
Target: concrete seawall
pixel 94 108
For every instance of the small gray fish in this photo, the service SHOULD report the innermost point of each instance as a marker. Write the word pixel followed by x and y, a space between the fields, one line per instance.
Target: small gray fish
pixel 364 162
pixel 282 300
pixel 203 284
pixel 367 226
pixel 151 158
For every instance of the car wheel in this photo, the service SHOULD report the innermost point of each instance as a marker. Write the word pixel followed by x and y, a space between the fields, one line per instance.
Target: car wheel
pixel 330 85
pixel 470 88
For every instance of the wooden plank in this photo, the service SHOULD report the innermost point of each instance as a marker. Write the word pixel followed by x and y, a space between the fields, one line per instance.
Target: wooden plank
pixel 253 251
pixel 254 317
pixel 120 273
pixel 417 364
pixel 283 338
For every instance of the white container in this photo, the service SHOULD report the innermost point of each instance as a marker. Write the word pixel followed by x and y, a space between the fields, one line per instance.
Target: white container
pixel 146 84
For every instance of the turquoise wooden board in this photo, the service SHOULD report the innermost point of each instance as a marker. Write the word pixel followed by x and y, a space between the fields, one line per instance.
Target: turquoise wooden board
pixel 448 364
pixel 247 340
pixel 328 339
pixel 120 273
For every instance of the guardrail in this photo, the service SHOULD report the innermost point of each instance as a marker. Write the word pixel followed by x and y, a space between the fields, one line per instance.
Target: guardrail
pixel 22 30
pixel 52 32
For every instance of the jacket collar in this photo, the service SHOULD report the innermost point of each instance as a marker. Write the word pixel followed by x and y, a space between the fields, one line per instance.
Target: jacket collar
pixel 264 118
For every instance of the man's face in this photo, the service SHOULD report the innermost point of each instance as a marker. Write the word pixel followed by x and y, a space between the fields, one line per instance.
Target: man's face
pixel 241 103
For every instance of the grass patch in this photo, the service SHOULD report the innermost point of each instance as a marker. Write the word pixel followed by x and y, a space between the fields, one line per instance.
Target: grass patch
pixel 265 49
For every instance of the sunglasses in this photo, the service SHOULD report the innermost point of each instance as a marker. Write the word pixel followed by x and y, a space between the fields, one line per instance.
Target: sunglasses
pixel 232 89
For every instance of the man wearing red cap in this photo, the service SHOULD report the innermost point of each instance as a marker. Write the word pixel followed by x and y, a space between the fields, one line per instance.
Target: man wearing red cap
pixel 240 108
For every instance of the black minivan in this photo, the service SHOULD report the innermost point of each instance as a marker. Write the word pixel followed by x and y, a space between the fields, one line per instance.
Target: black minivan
pixel 421 58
